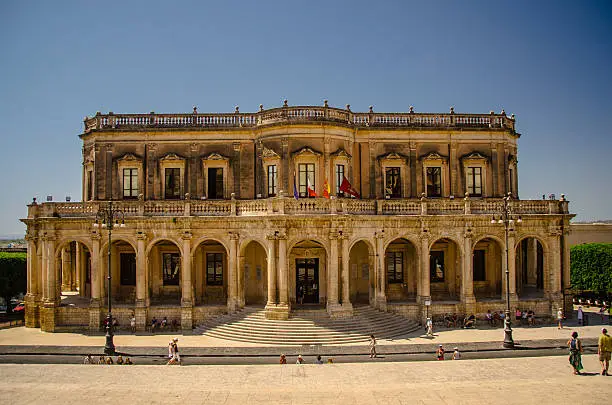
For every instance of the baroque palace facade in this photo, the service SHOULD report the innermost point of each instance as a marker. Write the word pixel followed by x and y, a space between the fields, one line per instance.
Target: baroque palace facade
pixel 294 206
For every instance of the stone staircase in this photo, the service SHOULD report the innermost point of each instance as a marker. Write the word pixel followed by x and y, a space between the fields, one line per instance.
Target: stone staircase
pixel 306 327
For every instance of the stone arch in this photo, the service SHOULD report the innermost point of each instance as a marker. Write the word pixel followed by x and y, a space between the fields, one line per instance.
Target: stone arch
pixel 401 269
pixel 164 266
pixel 487 267
pixel 253 272
pixel 294 241
pixel 73 270
pixel 210 271
pixel 308 265
pixel 531 260
pixel 445 269
pixel 247 240
pixel 201 239
pixel 362 256
pixel 123 269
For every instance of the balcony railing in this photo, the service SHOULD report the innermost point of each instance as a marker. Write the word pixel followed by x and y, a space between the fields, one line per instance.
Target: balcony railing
pixel 298 114
pixel 290 206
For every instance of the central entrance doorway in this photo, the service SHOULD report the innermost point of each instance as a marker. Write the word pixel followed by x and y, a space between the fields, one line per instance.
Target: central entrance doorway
pixel 307 281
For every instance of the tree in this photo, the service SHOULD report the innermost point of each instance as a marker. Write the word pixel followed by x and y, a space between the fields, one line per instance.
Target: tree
pixel 591 267
pixel 13 274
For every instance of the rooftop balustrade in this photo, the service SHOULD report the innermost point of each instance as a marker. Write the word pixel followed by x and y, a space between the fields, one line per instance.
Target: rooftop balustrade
pixel 298 114
pixel 290 206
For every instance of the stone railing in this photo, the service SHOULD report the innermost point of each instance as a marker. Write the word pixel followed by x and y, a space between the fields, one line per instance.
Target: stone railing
pixel 287 114
pixel 303 206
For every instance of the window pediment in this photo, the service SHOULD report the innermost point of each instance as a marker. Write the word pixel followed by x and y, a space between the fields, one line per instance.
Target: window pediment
pixel 269 154
pixel 393 156
pixel 341 153
pixel 433 157
pixel 215 157
pixel 129 158
pixel 172 157
pixel 475 157
pixel 306 151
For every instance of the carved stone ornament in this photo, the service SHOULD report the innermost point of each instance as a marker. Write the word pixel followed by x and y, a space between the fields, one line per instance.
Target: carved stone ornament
pixel 306 151
pixel 341 153
pixel 129 157
pixel 433 156
pixel 270 154
pixel 215 156
pixel 392 156
pixel 172 157
pixel 475 156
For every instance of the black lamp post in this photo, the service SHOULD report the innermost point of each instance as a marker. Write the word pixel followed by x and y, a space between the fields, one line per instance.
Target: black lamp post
pixel 506 217
pixel 109 218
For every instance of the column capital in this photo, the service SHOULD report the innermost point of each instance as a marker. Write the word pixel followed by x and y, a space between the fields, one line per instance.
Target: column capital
pixel 234 235
pixel 380 234
pixel 48 237
pixel 96 235
pixel 141 236
pixel 186 236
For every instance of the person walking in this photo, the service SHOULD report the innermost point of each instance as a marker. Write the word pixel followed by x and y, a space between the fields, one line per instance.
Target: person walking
pixel 580 316
pixel 560 318
pixel 283 359
pixel 575 357
pixel 429 327
pixel 372 346
pixel 604 350
pixel 456 354
pixel 133 323
pixel 173 352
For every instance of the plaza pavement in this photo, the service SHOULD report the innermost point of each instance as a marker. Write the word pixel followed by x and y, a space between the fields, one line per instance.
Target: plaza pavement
pixel 530 380
pixel 23 340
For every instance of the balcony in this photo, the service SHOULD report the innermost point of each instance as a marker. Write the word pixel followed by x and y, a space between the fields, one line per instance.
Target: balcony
pixel 298 114
pixel 290 206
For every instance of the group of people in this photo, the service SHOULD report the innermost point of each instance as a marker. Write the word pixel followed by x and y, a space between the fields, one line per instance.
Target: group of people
pixel 163 324
pixel 173 352
pixel 604 352
pixel 300 359
pixel 107 360
pixel 440 352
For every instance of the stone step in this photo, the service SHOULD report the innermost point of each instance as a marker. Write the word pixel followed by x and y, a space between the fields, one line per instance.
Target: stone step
pixel 306 326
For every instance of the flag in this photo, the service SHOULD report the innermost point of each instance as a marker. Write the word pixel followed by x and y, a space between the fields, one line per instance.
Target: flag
pixel 311 190
pixel 346 188
pixel 295 192
pixel 326 189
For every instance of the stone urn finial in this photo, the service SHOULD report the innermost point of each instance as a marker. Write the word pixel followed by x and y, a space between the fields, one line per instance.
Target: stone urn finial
pixel 371 109
pixel 325 103
pixel 503 112
pixel 411 109
pixel 237 109
pixel 285 103
pixel 195 109
pixel 348 107
pixel 260 107
pixel 452 110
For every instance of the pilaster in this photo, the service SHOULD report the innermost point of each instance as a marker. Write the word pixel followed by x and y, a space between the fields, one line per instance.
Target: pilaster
pixel 186 285
pixel 467 278
pixel 381 299
pixel 232 296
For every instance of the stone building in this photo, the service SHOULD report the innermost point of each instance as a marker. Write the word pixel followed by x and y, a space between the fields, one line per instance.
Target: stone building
pixel 223 211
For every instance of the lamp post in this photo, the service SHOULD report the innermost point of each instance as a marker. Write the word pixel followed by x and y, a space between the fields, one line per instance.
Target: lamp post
pixel 506 217
pixel 109 218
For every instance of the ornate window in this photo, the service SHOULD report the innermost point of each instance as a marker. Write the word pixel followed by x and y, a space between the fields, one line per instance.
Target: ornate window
pixel 306 163
pixel 171 263
pixel 130 176
pixel 130 183
pixel 395 267
pixel 173 171
pixel 475 166
pixel 395 172
pixel 214 268
pixel 216 176
pixel 272 180
pixel 435 168
pixel 339 177
pixel 341 161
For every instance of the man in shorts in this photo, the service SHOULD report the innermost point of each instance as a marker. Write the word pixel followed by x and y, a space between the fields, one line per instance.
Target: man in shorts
pixel 604 350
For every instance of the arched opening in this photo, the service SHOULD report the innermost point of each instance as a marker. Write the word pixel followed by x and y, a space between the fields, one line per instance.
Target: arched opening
pixel 445 270
pixel 165 273
pixel 361 261
pixel 401 267
pixel 307 275
pixel 487 259
pixel 123 271
pixel 210 264
pixel 73 264
pixel 530 268
pixel 255 273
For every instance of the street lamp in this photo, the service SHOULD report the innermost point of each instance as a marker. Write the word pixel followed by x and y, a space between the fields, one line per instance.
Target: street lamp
pixel 109 218
pixel 506 217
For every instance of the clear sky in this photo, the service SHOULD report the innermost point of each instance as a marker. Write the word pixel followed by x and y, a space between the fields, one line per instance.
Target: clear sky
pixel 548 62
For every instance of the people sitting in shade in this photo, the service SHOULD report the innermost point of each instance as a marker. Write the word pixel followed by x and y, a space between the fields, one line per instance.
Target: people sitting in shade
pixel 469 321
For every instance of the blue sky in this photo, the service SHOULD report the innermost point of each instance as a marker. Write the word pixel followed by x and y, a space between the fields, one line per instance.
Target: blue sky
pixel 548 62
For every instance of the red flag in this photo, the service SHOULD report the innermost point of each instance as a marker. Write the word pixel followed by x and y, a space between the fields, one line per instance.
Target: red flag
pixel 346 188
pixel 311 190
pixel 326 189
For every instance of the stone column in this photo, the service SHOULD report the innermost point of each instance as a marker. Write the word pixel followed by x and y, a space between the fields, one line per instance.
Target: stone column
pixel 47 312
pixel 381 299
pixel 78 268
pixel 186 285
pixel 511 269
pixel 271 272
pixel 232 285
pixel 424 271
pixel 94 306
pixel 467 276
pixel 66 270
pixel 347 307
pixel 283 275
pixel 241 276
pixel 332 263
pixel 140 312
pixel 32 319
pixel 554 266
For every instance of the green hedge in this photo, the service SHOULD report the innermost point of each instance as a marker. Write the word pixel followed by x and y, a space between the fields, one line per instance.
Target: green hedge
pixel 591 267
pixel 13 274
